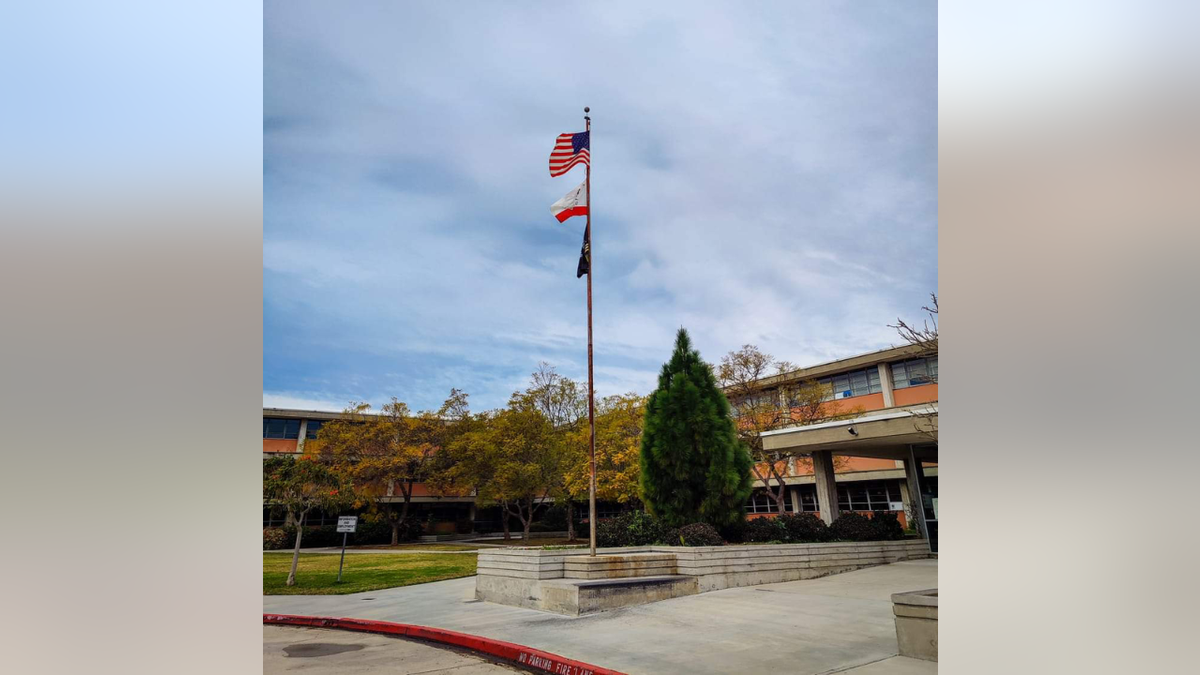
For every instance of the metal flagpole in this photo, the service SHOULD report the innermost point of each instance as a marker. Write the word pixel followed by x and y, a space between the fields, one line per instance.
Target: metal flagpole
pixel 591 387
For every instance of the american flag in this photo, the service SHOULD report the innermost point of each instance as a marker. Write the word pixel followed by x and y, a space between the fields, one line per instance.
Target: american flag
pixel 569 150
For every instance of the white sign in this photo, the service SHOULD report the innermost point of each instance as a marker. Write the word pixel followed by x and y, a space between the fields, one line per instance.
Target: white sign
pixel 895 506
pixel 347 523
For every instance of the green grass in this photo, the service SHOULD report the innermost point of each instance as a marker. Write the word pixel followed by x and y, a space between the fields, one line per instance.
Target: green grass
pixel 316 573
pixel 418 546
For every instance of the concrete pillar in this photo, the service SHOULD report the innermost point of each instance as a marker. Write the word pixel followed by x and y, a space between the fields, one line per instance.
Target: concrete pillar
pixel 885 382
pixel 823 476
pixel 906 499
pixel 471 516
pixel 300 438
pixel 912 470
pixel 795 494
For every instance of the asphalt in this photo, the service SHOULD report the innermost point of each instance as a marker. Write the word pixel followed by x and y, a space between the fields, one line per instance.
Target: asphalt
pixel 839 623
pixel 319 651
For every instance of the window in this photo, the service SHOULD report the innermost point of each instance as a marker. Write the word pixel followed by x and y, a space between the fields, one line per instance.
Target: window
pixel 808 498
pixel 856 383
pixel 872 495
pixel 761 503
pixel 277 427
pixel 915 372
pixel 313 427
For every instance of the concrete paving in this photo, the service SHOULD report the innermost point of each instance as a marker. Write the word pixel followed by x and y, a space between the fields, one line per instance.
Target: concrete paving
pixel 833 624
pixel 319 651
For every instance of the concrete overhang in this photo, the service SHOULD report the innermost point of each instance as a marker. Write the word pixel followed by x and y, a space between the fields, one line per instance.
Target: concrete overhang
pixel 886 434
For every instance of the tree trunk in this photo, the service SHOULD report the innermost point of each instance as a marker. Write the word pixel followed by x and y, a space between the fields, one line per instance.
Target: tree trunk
pixel 291 580
pixel 504 518
pixel 570 521
pixel 395 527
pixel 289 519
pixel 526 522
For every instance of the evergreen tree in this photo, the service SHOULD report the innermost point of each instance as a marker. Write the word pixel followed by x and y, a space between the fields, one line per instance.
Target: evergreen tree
pixel 694 468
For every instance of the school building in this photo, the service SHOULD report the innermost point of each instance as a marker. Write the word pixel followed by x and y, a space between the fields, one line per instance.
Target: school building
pixel 884 459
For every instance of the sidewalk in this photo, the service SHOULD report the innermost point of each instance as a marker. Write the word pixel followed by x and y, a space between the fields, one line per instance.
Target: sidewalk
pixel 833 624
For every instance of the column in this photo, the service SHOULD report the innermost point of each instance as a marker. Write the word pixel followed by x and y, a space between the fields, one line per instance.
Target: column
pixel 826 485
pixel 795 495
pixel 303 433
pixel 885 382
pixel 912 469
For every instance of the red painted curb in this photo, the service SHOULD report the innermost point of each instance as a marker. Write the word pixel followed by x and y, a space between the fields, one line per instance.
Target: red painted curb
pixel 519 654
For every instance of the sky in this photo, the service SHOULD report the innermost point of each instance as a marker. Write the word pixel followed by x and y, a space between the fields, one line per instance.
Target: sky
pixel 763 174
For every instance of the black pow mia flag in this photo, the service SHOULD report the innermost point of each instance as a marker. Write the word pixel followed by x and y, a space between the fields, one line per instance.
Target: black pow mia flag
pixel 585 255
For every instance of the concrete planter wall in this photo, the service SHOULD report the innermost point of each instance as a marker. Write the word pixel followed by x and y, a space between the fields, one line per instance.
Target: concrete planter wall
pixel 570 581
pixel 916 623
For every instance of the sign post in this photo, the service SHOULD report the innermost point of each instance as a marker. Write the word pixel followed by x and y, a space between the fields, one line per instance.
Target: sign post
pixel 346 525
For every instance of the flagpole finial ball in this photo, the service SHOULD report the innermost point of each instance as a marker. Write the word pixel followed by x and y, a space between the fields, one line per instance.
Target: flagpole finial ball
pixel 586 109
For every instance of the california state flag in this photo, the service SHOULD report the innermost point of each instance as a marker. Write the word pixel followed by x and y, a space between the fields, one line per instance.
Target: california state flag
pixel 573 204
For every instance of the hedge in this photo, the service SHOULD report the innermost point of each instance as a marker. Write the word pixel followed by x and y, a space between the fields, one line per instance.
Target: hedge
pixel 275 538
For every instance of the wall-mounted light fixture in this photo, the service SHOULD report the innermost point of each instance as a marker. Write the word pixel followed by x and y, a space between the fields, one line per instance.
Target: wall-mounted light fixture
pixel 853 431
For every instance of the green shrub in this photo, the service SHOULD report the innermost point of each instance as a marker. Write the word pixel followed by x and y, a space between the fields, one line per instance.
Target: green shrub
pixel 635 528
pixel 735 532
pixel 700 534
pixel 887 526
pixel 853 527
pixel 274 538
pixel 765 529
pixel 803 528
pixel 323 536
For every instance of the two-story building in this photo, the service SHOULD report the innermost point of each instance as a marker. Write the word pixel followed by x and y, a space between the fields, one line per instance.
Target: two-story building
pixel 878 460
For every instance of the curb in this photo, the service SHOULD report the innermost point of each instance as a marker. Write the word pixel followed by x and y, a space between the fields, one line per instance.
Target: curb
pixel 528 657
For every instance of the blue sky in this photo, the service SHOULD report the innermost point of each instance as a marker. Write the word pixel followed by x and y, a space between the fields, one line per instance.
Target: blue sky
pixel 763 174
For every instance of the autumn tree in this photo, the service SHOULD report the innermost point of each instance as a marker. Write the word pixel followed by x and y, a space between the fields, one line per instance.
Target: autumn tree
pixel 754 383
pixel 302 485
pixel 387 453
pixel 618 448
pixel 513 458
pixel 564 403
pixel 693 466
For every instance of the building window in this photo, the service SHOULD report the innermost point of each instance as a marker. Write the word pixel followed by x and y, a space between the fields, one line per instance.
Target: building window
pixel 311 430
pixel 808 498
pixel 761 503
pixel 871 495
pixel 915 372
pixel 278 427
pixel 856 383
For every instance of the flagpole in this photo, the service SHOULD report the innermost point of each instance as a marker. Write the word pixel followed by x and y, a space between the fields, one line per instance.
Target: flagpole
pixel 591 386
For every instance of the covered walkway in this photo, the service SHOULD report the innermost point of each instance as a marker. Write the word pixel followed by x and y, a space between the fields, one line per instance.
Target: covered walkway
pixel 907 434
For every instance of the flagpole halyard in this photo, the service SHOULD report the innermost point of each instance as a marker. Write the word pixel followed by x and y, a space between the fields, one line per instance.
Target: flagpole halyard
pixel 591 386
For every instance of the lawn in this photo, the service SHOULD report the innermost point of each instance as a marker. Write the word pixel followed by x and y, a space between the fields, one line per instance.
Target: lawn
pixel 317 572
pixel 418 546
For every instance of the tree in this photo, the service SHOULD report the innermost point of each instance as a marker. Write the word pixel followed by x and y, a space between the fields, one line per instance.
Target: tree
pixel 385 453
pixel 752 380
pixel 693 466
pixel 301 485
pixel 618 449
pixel 564 403
pixel 925 338
pixel 512 458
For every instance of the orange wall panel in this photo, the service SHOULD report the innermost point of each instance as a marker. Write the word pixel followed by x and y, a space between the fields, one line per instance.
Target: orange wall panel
pixel 867 402
pixel 279 445
pixel 913 395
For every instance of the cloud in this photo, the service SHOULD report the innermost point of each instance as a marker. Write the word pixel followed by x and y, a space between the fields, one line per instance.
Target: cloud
pixel 761 175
